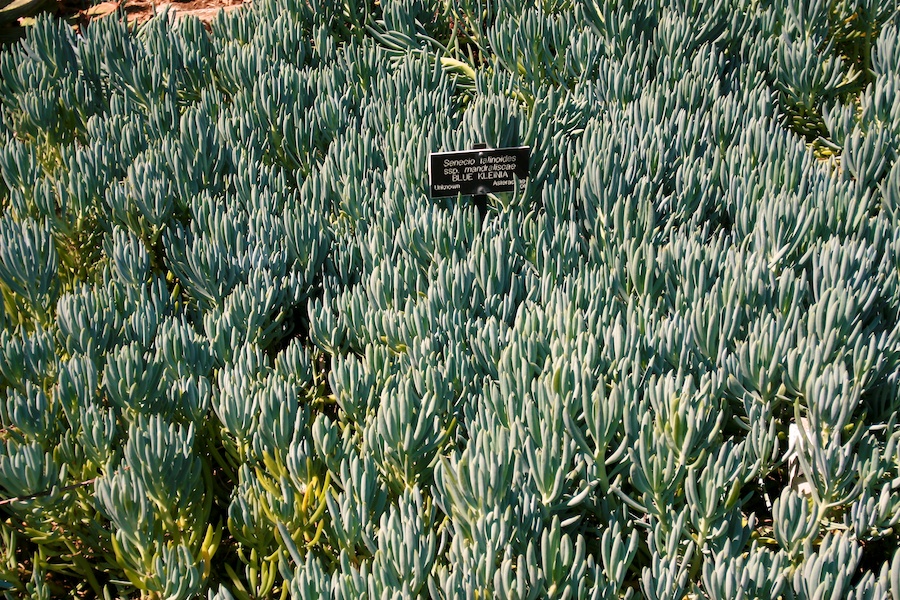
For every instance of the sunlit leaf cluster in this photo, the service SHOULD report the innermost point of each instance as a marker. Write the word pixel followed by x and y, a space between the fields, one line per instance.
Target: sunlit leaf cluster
pixel 243 354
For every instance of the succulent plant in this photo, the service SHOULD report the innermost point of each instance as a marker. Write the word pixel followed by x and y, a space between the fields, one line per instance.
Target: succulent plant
pixel 244 354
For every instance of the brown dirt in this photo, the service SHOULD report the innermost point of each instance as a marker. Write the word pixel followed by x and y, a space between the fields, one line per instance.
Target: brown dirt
pixel 141 10
pixel 205 10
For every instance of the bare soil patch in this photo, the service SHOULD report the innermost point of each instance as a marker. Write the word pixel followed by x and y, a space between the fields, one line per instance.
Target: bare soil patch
pixel 142 10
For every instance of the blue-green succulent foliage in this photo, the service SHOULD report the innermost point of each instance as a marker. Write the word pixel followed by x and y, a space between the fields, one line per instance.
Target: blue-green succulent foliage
pixel 244 355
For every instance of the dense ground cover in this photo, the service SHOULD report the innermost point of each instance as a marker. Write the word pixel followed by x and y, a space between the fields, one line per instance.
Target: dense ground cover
pixel 244 354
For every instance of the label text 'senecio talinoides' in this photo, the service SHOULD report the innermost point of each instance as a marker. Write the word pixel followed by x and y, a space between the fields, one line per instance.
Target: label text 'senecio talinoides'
pixel 483 171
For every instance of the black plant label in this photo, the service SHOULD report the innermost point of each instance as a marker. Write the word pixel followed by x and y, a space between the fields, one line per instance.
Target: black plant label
pixel 472 172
